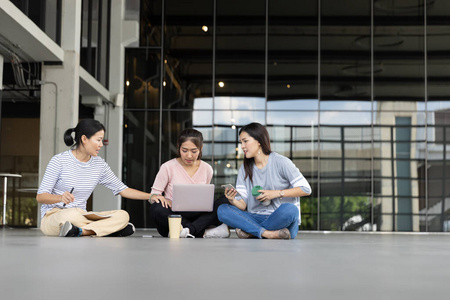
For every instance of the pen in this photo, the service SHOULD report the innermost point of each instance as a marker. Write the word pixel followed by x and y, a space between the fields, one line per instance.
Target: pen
pixel 71 193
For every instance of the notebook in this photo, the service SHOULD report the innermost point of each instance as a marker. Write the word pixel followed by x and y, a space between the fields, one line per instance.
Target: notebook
pixel 193 197
pixel 93 216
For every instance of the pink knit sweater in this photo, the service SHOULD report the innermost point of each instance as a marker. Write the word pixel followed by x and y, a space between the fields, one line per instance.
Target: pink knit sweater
pixel 172 172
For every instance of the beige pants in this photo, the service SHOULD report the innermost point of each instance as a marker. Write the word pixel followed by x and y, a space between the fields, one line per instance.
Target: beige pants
pixel 55 218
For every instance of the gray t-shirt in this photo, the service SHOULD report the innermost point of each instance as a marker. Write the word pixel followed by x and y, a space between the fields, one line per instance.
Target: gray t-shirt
pixel 280 173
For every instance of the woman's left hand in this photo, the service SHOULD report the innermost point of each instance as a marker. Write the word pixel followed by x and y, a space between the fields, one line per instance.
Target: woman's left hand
pixel 267 195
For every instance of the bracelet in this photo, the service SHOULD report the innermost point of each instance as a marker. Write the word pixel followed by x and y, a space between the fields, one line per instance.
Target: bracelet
pixel 151 196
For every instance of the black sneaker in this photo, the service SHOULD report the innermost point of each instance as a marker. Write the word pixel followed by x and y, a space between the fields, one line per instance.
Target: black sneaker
pixel 128 230
pixel 69 230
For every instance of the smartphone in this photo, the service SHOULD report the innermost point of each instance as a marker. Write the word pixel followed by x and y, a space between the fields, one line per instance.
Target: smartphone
pixel 230 186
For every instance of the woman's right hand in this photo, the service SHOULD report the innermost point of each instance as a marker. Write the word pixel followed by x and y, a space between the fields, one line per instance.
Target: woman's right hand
pixel 230 194
pixel 67 197
pixel 161 199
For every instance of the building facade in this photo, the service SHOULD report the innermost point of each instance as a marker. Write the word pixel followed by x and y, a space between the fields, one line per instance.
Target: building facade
pixel 356 94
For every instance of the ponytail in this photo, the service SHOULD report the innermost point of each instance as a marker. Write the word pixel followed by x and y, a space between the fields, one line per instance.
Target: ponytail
pixel 87 127
pixel 68 139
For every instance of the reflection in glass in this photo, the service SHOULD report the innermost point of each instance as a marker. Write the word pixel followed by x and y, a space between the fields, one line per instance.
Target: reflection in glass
pixel 239 103
pixel 356 140
pixel 203 103
pixel 238 117
pixel 354 105
pixel 398 154
pixel 202 118
pixel 345 62
pixel 345 118
pixel 142 79
pixel 347 213
pixel 141 154
pixel 188 65
pixel 308 206
pixel 294 104
pixel 150 25
pixel 94 48
pixel 399 50
pixel 240 48
pixel 292 67
pixel 292 118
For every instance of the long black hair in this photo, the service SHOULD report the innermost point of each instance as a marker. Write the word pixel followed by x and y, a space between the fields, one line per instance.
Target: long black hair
pixel 192 135
pixel 260 134
pixel 87 127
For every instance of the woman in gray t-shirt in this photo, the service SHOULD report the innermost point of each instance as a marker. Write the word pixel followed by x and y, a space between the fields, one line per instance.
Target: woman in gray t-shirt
pixel 265 203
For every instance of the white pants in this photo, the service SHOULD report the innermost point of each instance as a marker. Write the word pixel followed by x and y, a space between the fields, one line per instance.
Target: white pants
pixel 53 220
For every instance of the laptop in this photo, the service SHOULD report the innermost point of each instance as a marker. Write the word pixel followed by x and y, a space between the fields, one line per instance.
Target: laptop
pixel 193 197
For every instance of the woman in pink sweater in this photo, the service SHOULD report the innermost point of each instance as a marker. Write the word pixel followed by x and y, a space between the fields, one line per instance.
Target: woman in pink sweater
pixel 186 168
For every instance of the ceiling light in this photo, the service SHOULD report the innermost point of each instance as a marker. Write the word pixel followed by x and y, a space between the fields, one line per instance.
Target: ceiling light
pixel 288 86
pixel 221 84
pixel 205 28
pixel 164 83
pixel 127 83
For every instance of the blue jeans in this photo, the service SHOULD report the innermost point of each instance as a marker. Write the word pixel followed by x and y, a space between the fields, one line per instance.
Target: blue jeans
pixel 285 216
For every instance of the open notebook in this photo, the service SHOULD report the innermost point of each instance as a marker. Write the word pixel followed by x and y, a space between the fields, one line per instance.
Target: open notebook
pixel 95 216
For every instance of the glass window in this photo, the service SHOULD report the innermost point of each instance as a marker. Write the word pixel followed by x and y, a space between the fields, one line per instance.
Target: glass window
pixel 398 55
pixel 345 51
pixel 94 52
pixel 355 115
pixel 150 26
pixel 141 154
pixel 188 48
pixel 292 66
pixel 240 48
pixel 142 79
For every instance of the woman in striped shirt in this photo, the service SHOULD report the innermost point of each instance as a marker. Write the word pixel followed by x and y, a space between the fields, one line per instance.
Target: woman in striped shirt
pixel 70 179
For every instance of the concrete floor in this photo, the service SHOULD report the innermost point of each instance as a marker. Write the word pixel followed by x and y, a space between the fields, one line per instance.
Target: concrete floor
pixel 316 265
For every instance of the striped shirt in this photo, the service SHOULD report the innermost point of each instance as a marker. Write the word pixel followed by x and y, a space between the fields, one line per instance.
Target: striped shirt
pixel 65 172
pixel 280 173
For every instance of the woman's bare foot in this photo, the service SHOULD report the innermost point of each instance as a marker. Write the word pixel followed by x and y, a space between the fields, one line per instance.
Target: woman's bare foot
pixel 88 232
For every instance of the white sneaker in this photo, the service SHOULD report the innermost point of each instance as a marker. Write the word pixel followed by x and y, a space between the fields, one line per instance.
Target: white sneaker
pixel 218 232
pixel 185 233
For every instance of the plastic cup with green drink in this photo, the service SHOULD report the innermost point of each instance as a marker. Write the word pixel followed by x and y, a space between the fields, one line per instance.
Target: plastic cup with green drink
pixel 255 194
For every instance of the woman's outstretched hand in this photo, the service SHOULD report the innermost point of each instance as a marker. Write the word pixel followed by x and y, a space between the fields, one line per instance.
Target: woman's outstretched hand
pixel 161 199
